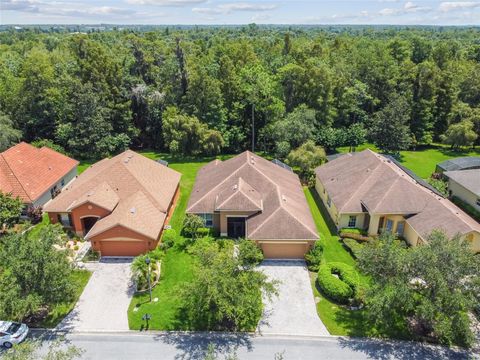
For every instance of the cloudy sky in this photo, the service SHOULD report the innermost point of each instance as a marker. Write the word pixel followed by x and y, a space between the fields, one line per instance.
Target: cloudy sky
pixel 452 12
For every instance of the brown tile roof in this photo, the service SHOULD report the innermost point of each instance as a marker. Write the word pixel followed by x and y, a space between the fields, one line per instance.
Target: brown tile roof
pixel 469 179
pixel 367 181
pixel 248 181
pixel 28 172
pixel 125 182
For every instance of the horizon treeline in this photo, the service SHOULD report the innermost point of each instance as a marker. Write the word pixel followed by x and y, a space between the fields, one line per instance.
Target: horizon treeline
pixel 196 90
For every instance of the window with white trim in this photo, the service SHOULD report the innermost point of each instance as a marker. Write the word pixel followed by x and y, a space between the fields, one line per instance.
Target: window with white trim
pixel 400 228
pixel 207 219
pixel 352 221
pixel 329 201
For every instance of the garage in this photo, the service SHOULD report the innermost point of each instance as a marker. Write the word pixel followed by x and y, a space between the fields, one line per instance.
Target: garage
pixel 121 247
pixel 284 250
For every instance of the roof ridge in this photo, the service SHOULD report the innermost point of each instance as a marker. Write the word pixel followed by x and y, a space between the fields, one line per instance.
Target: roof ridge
pixel 392 184
pixel 301 222
pixel 264 221
pixel 15 176
pixel 216 186
pixel 376 169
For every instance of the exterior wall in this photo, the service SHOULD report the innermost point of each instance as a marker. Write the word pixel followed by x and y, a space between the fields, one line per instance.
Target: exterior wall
pixel 411 236
pixel 345 218
pixel 223 220
pixel 464 194
pixel 125 241
pixel 332 210
pixel 86 210
pixel 375 225
pixel 172 205
pixel 474 239
pixel 46 196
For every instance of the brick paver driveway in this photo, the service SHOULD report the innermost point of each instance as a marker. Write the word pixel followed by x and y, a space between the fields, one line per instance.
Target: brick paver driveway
pixel 293 312
pixel 104 303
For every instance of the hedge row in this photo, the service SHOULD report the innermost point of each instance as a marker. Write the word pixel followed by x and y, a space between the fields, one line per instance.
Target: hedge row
pixel 314 256
pixel 353 246
pixel 340 289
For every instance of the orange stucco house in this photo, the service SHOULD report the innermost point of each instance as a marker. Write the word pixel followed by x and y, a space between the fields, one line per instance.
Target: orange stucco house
pixel 120 204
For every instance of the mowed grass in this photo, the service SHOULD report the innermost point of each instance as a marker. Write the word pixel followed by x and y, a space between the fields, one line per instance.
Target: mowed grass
pixel 423 160
pixel 337 318
pixel 177 264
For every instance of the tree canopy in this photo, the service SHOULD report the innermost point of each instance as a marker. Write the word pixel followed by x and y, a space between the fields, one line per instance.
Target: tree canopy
pixel 95 93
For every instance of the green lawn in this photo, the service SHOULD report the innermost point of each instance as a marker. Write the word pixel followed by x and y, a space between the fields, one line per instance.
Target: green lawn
pixel 423 160
pixel 338 319
pixel 57 312
pixel 177 264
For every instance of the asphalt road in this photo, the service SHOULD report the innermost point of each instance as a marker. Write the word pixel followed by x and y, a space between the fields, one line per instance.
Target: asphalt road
pixel 192 346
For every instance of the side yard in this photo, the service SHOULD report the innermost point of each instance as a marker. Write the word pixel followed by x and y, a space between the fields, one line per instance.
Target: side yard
pixel 424 160
pixel 176 266
pixel 339 319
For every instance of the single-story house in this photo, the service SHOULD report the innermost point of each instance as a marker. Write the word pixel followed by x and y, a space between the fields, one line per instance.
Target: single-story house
pixel 461 163
pixel 367 190
pixel 250 197
pixel 35 175
pixel 120 204
pixel 465 184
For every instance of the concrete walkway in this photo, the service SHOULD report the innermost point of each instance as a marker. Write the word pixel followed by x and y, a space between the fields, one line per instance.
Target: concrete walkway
pixel 104 303
pixel 293 312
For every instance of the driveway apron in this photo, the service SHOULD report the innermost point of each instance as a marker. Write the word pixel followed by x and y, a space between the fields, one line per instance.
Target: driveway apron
pixel 293 312
pixel 104 302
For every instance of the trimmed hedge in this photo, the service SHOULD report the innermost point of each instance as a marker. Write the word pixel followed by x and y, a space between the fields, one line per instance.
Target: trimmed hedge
pixel 353 231
pixel 353 246
pixel 340 289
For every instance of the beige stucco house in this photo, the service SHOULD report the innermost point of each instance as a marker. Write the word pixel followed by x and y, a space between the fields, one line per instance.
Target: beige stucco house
pixel 368 191
pixel 465 184
pixel 250 197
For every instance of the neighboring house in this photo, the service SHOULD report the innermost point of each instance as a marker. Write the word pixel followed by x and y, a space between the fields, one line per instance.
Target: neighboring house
pixel 250 197
pixel 462 163
pixel 368 191
pixel 35 175
pixel 120 204
pixel 465 184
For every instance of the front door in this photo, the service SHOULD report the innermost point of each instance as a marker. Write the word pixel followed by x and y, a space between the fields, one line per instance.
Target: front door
pixel 236 227
pixel 88 223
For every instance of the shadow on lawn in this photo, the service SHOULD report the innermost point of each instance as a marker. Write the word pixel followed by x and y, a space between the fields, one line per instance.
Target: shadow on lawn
pixel 193 346
pixel 385 350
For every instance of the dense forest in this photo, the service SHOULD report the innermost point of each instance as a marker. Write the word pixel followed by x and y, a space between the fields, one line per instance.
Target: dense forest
pixel 200 90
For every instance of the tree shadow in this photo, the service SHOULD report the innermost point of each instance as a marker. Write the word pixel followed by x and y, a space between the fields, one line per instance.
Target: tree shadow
pixel 332 228
pixel 193 346
pixel 408 350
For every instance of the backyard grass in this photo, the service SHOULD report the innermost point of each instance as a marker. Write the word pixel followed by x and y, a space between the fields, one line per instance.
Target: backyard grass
pixel 177 264
pixel 338 319
pixel 57 312
pixel 423 160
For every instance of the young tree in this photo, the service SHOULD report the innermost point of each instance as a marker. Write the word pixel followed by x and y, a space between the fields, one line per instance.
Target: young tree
pixel 390 131
pixel 8 134
pixel 460 134
pixel 411 286
pixel 355 135
pixel 10 210
pixel 33 272
pixel 223 295
pixel 307 157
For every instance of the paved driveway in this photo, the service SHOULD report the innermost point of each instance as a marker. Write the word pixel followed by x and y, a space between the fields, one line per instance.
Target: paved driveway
pixel 104 303
pixel 293 312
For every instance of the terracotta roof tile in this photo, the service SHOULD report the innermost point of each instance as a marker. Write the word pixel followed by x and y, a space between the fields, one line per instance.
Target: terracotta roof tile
pixel 128 180
pixel 29 172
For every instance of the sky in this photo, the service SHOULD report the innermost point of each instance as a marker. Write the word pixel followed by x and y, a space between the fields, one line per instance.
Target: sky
pixel 309 12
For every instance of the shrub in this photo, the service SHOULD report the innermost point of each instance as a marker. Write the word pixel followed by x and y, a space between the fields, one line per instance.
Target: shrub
pixel 249 254
pixel 314 256
pixel 202 232
pixel 34 213
pixel 341 288
pixel 76 247
pixel 353 246
pixel 168 238
pixel 353 231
